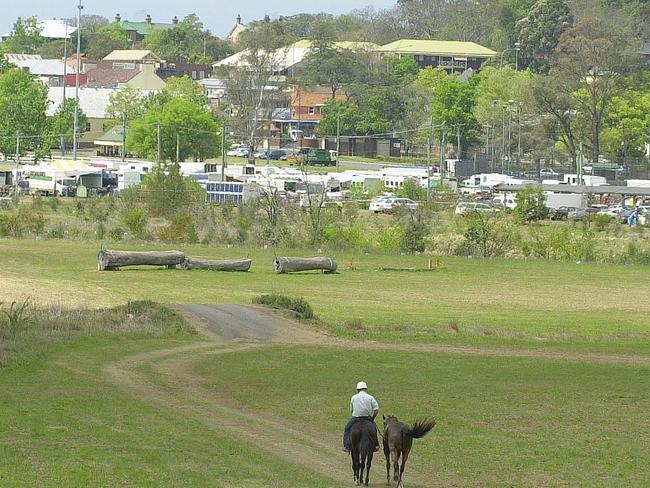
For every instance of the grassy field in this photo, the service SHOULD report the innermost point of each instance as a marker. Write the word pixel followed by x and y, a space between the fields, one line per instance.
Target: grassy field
pixel 109 402
pixel 502 421
pixel 537 303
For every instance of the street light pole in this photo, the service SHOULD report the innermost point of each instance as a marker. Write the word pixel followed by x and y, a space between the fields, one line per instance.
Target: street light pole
pixel 75 136
pixel 516 49
pixel 65 77
pixel 338 139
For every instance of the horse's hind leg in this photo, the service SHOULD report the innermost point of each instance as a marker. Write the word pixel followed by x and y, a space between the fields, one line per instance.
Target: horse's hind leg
pixel 368 468
pixel 361 466
pixel 405 456
pixel 395 454
pixel 387 455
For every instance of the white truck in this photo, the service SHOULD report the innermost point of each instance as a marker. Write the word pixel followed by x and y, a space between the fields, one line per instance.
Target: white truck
pixel 54 185
pixel 569 200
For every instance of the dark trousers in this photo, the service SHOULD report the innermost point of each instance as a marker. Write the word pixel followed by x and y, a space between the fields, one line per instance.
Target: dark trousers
pixel 348 428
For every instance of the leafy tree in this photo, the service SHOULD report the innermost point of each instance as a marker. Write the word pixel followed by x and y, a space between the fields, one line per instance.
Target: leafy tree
pixel 62 123
pixel 125 104
pixel 247 85
pixel 531 205
pixel 430 78
pixel 554 101
pixel 380 111
pixel 539 32
pixel 627 123
pixel 99 40
pixel 591 57
pixel 453 104
pixel 25 37
pixel 166 192
pixel 404 69
pixel 344 111
pixel 186 88
pixel 195 127
pixel 187 42
pixel 331 67
pixel 23 103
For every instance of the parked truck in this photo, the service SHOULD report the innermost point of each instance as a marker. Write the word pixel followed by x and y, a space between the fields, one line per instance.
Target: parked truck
pixel 40 183
pixel 568 200
pixel 312 156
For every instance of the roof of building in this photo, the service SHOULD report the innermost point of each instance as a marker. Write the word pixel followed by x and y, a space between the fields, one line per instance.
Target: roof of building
pixel 130 55
pixel 293 54
pixel 110 78
pixel 92 101
pixel 645 50
pixel 429 46
pixel 145 28
pixel 42 67
pixel 13 58
pixel 112 137
pixel 56 29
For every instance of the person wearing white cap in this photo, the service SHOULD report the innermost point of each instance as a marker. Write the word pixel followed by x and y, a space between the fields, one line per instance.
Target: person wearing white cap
pixel 363 406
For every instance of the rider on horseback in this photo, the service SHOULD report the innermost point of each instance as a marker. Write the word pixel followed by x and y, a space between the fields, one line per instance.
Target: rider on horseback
pixel 363 406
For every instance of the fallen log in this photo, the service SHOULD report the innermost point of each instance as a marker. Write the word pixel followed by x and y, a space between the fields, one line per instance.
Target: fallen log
pixel 293 264
pixel 217 265
pixel 109 260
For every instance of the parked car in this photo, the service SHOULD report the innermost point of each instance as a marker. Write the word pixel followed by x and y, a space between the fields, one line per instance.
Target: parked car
pixel 468 207
pixel 549 173
pixel 239 152
pixel 278 154
pixel 561 213
pixel 386 204
pixel 259 154
pixel 582 213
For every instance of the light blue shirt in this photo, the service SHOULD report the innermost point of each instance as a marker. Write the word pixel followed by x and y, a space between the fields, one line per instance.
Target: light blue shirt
pixel 363 404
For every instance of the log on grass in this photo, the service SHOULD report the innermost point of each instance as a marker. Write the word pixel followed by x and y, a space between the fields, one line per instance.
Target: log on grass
pixel 217 264
pixel 293 264
pixel 109 260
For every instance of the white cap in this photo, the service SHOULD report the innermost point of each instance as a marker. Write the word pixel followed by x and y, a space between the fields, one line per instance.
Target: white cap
pixel 362 385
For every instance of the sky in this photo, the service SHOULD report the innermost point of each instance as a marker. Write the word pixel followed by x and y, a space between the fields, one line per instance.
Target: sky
pixel 217 15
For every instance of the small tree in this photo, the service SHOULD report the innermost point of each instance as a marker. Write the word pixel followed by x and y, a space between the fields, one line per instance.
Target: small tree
pixel 531 205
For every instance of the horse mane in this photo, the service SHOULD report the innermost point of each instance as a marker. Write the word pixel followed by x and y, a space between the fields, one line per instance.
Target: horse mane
pixel 421 428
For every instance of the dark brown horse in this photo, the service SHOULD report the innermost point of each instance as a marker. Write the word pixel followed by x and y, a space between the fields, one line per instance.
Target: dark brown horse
pixel 398 439
pixel 363 439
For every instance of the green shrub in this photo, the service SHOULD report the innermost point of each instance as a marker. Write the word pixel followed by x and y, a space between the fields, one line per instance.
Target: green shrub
pixel 181 228
pixel 135 220
pixel 300 306
pixel 116 234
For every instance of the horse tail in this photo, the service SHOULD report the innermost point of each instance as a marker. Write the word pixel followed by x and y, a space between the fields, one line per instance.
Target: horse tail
pixel 421 428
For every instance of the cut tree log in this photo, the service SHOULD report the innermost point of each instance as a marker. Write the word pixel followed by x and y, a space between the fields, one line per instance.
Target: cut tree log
pixel 294 264
pixel 110 260
pixel 217 265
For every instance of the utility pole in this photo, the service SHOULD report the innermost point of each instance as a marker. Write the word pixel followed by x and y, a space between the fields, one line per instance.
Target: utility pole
pixel 503 140
pixel 338 139
pixel 75 136
pixel 123 136
pixel 224 128
pixel 458 156
pixel 509 139
pixel 17 161
pixel 519 137
pixel 443 143
pixel 158 145
pixel 65 77
pixel 178 148
pixel 429 161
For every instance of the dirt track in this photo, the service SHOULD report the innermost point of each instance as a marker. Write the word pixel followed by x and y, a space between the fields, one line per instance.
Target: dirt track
pixel 232 328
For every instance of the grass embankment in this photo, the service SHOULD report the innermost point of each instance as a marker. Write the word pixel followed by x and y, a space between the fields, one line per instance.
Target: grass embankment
pixel 502 421
pixel 535 303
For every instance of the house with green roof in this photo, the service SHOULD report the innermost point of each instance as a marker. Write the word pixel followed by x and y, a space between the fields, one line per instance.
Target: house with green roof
pixel 137 31
pixel 454 56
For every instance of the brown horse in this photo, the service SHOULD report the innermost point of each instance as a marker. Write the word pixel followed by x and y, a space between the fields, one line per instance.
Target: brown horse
pixel 398 439
pixel 363 439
